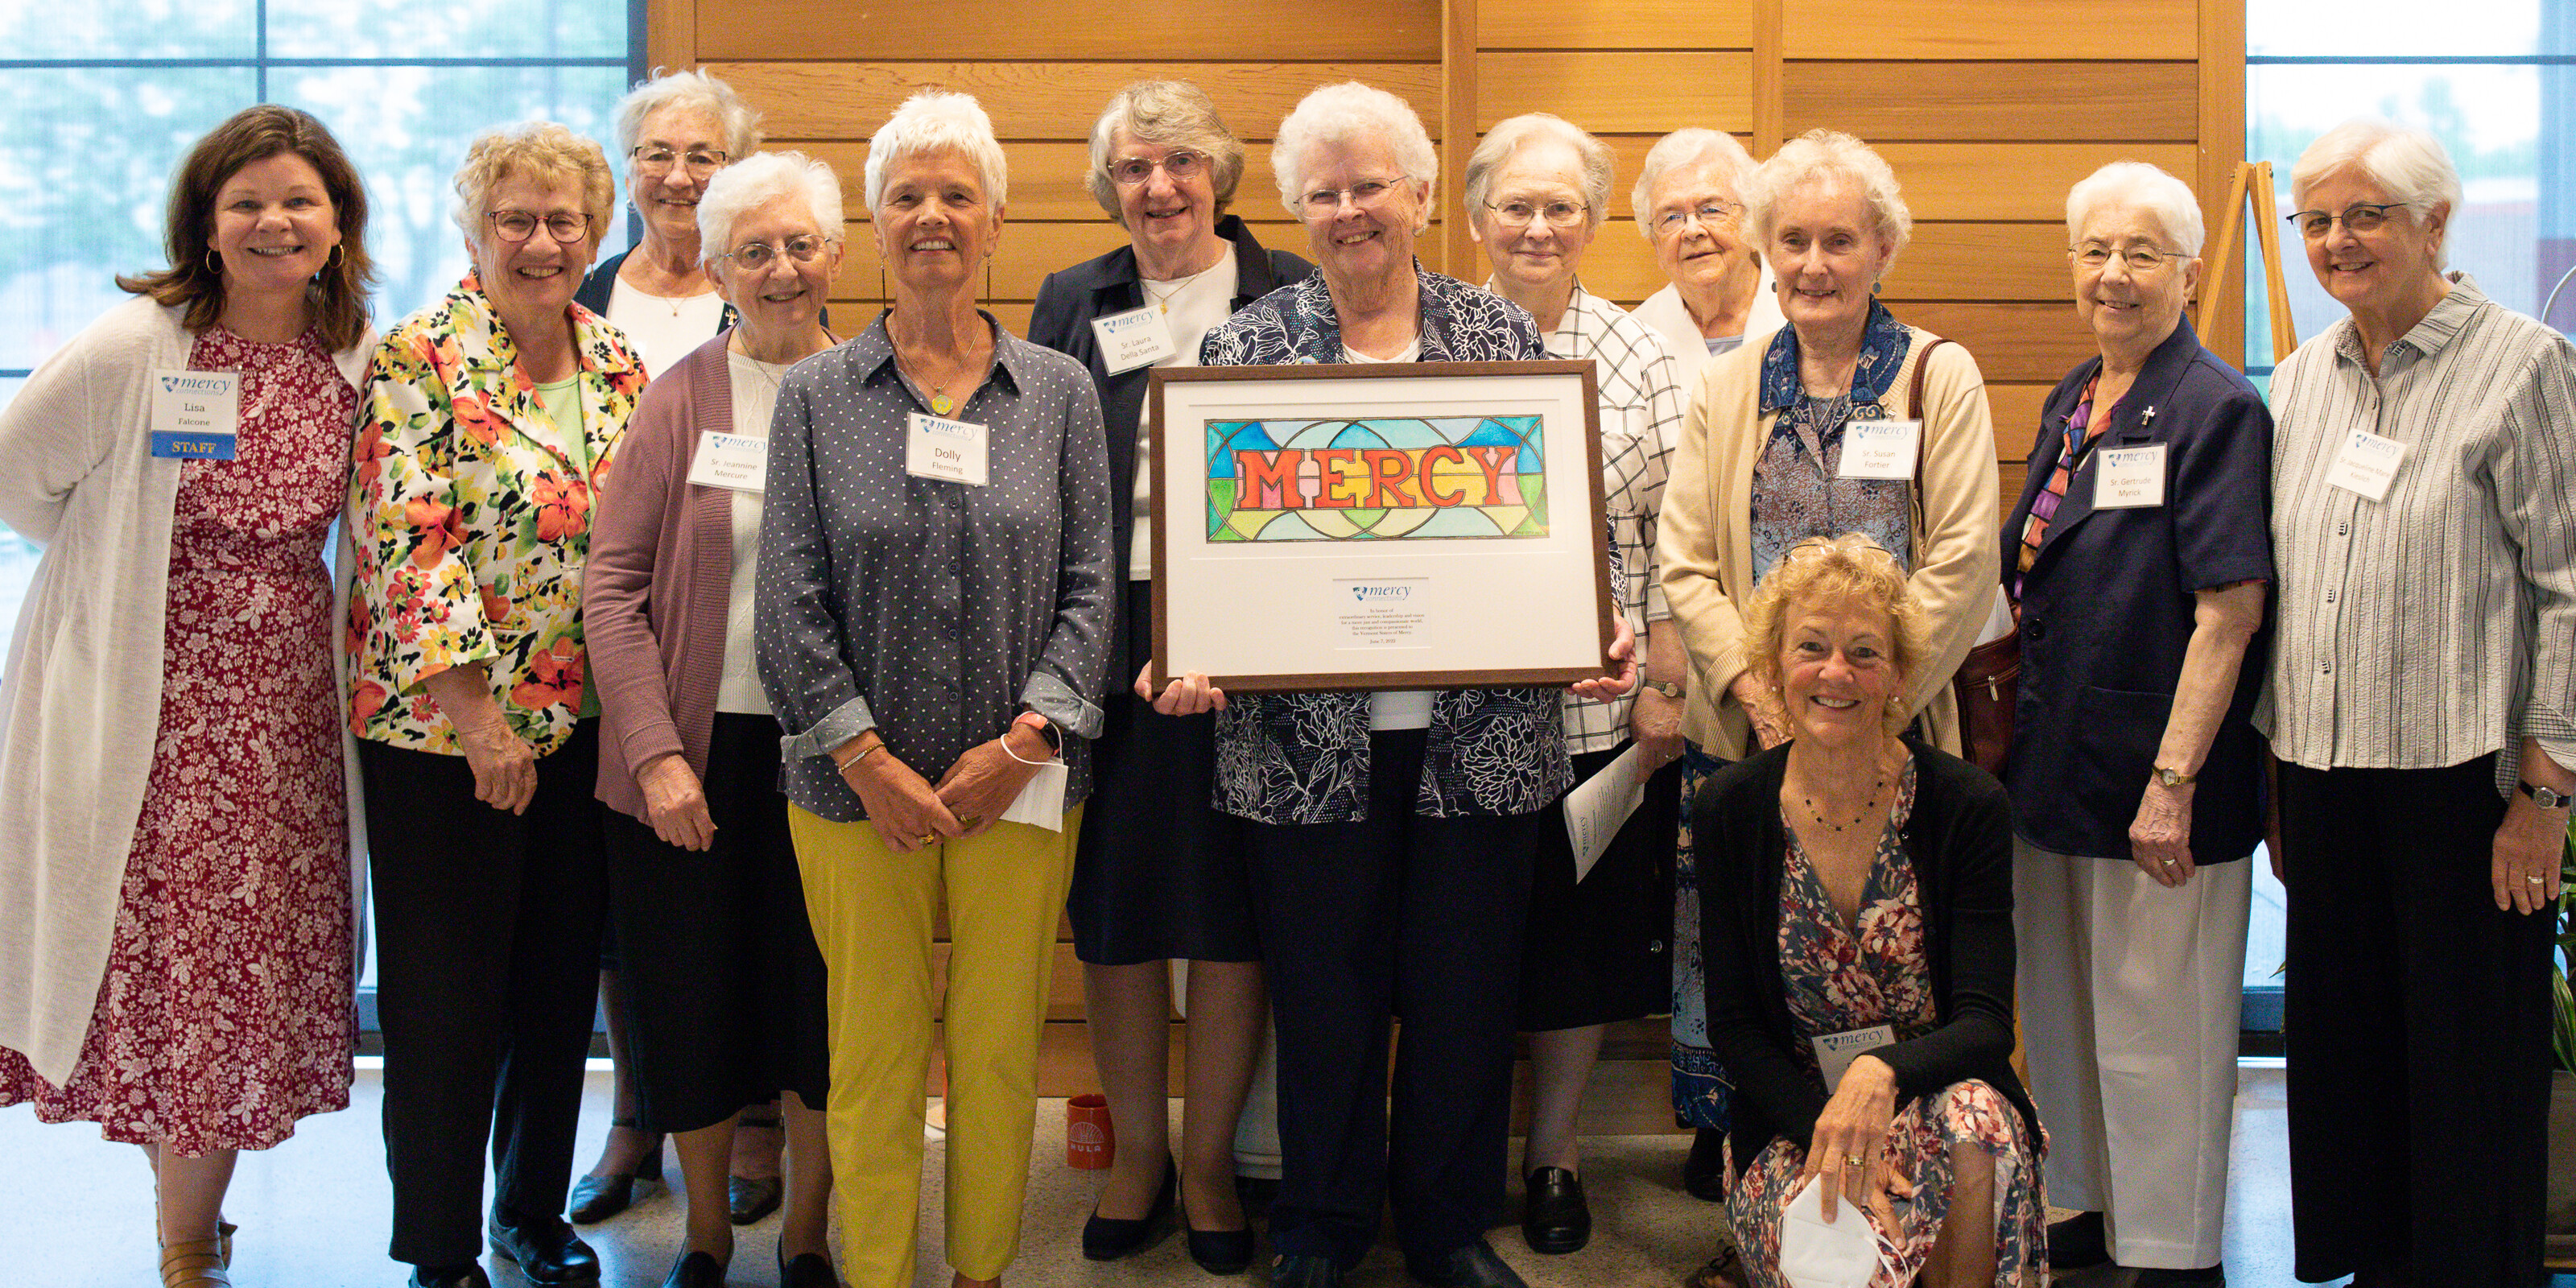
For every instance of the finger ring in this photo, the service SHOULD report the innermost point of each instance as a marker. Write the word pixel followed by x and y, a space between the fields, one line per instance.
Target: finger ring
pixel 2533 880
pixel 1854 1160
pixel 925 838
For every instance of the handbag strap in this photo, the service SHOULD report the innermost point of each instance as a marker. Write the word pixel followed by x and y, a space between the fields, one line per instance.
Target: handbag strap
pixel 1914 404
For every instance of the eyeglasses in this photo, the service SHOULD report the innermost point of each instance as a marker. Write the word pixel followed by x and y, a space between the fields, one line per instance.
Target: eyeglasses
pixel 2140 259
pixel 752 257
pixel 1131 171
pixel 1720 215
pixel 515 226
pixel 1322 203
pixel 2358 218
pixel 1558 214
pixel 656 161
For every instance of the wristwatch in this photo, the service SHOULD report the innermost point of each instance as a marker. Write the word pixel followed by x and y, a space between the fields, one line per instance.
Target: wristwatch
pixel 1664 687
pixel 2171 779
pixel 2544 797
pixel 1042 727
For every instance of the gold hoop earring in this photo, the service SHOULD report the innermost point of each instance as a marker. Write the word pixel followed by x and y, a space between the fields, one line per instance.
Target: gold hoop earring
pixel 214 263
pixel 339 255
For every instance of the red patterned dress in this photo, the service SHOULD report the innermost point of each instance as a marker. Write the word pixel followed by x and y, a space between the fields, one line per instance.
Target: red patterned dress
pixel 225 1012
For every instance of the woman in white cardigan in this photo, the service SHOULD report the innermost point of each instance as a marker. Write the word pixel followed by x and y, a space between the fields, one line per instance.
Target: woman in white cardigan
pixel 176 961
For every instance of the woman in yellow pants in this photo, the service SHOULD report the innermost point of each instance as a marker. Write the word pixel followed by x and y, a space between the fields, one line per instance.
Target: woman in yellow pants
pixel 934 601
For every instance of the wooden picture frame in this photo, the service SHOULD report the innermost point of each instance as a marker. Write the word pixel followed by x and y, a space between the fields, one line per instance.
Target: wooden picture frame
pixel 1379 526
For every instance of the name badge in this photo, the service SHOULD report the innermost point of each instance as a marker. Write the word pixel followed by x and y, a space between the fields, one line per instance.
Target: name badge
pixel 2367 464
pixel 1135 338
pixel 196 415
pixel 736 461
pixel 952 450
pixel 1879 449
pixel 1836 1051
pixel 2130 478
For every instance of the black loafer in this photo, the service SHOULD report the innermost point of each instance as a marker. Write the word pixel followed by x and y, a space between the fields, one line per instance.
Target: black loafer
pixel 1110 1238
pixel 695 1270
pixel 1471 1266
pixel 749 1198
pixel 545 1248
pixel 806 1270
pixel 2077 1242
pixel 1304 1270
pixel 468 1275
pixel 597 1198
pixel 1704 1172
pixel 1557 1220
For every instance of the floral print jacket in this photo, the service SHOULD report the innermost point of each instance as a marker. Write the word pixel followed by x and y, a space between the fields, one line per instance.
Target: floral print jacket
pixel 473 530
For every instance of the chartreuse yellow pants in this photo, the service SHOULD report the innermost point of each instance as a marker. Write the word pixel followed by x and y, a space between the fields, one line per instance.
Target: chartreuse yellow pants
pixel 874 911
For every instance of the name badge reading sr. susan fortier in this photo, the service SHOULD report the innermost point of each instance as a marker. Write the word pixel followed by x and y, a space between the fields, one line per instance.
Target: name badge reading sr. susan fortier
pixel 952 450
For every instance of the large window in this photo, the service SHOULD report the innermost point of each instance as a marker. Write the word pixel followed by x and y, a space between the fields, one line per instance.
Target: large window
pixel 103 97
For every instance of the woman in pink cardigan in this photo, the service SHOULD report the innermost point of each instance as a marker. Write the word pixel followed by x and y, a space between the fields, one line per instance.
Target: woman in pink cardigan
pixel 725 986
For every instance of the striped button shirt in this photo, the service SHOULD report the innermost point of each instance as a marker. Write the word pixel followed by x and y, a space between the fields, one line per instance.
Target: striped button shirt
pixel 2438 624
pixel 1641 417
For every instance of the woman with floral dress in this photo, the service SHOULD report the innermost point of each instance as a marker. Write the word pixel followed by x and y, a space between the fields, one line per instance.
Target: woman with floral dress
pixel 1856 912
pixel 176 964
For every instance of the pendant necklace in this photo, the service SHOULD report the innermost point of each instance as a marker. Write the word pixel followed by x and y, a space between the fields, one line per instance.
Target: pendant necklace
pixel 1865 808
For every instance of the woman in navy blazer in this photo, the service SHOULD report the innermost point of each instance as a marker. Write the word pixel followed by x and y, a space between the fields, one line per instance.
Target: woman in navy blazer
pixel 1158 872
pixel 2137 558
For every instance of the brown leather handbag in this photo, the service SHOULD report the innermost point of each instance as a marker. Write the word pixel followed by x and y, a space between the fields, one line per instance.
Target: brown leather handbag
pixel 1988 683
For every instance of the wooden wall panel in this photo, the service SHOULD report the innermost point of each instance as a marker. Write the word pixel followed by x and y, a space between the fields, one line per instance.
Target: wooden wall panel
pixel 1611 24
pixel 1033 100
pixel 2023 102
pixel 1619 93
pixel 1001 30
pixel 1953 261
pixel 2032 29
pixel 2025 181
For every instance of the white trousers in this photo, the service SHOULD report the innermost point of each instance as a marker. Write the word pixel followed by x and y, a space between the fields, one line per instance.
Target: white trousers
pixel 2130 1001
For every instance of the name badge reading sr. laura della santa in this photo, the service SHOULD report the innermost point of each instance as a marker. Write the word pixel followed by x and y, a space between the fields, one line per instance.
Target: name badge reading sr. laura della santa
pixel 952 450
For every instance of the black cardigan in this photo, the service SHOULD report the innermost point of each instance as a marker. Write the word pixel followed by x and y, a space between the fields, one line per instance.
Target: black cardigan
pixel 1959 837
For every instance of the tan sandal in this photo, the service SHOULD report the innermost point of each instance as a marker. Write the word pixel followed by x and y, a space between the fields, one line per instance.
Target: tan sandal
pixel 194 1263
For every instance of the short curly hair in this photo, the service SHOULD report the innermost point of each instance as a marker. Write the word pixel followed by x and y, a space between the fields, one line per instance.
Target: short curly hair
pixel 1824 156
pixel 1849 569
pixel 538 148
pixel 1164 113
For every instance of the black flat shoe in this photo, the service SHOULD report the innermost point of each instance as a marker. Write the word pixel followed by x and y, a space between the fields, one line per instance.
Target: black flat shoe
pixel 1471 1266
pixel 1557 1220
pixel 1110 1238
pixel 545 1248
pixel 1304 1270
pixel 597 1198
pixel 468 1275
pixel 2077 1242
pixel 749 1198
pixel 1218 1252
pixel 695 1270
pixel 806 1270
pixel 1704 1172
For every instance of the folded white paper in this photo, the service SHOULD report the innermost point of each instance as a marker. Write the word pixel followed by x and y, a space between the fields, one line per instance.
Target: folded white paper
pixel 1816 1255
pixel 1600 805
pixel 1041 801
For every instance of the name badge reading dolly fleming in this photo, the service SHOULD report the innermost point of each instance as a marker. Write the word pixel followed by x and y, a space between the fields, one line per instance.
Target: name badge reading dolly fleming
pixel 1879 449
pixel 196 415
pixel 952 450
pixel 1135 338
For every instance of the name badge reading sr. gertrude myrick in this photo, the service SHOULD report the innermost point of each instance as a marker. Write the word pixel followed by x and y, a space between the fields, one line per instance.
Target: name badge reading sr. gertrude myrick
pixel 196 415
pixel 2130 478
pixel 952 450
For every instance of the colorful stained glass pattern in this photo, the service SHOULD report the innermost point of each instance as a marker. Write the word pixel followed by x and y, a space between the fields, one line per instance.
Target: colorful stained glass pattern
pixel 1357 480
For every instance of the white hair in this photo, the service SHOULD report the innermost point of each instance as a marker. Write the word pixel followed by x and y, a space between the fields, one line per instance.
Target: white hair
pixel 1511 135
pixel 2411 166
pixel 757 180
pixel 1165 113
pixel 2138 185
pixel 1823 156
pixel 738 119
pixel 932 121
pixel 1344 113
pixel 1682 149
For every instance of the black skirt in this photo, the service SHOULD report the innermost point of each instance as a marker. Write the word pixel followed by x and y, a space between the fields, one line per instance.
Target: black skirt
pixel 1158 871
pixel 1600 950
pixel 724 986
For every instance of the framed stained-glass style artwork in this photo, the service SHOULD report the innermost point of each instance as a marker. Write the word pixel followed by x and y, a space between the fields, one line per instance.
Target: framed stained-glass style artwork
pixel 1379 526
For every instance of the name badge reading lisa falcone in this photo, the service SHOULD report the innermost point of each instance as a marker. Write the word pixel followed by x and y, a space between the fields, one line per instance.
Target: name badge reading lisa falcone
pixel 196 415
pixel 1879 449
pixel 736 461
pixel 2366 464
pixel 1135 338
pixel 2130 478
pixel 952 450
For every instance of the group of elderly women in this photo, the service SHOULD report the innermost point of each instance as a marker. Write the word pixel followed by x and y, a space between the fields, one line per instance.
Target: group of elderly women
pixel 731 673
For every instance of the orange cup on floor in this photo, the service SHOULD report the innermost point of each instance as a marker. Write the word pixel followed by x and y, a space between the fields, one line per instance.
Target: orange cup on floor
pixel 1089 1141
